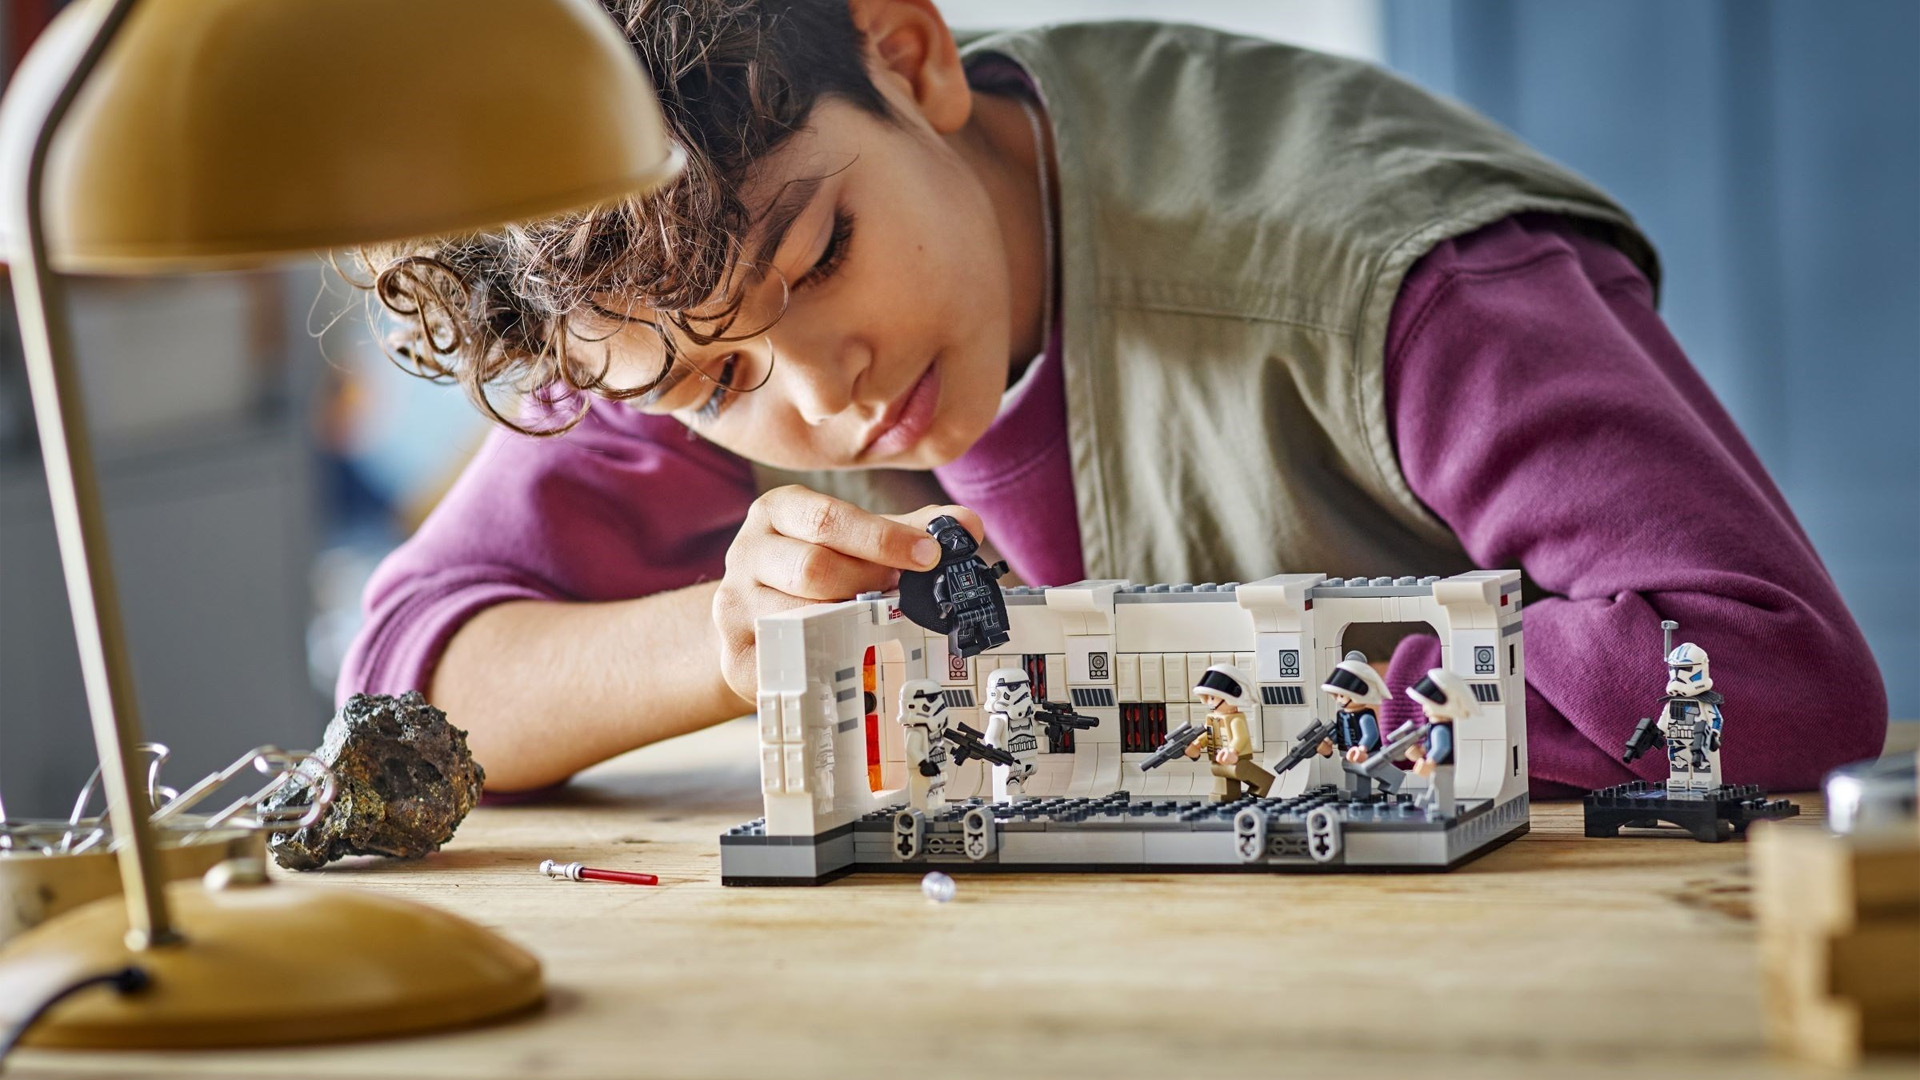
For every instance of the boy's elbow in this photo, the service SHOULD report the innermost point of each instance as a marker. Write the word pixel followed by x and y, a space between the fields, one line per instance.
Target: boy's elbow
pixel 1804 696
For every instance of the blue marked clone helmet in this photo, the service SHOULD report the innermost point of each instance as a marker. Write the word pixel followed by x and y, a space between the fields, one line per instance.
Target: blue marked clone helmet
pixel 1687 670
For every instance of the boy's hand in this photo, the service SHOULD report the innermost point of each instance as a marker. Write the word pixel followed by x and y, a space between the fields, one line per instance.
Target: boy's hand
pixel 800 547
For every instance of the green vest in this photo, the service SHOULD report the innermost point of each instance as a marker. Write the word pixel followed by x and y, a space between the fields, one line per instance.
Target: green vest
pixel 1236 218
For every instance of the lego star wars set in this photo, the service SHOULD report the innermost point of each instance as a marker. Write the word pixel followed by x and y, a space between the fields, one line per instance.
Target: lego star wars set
pixel 1122 727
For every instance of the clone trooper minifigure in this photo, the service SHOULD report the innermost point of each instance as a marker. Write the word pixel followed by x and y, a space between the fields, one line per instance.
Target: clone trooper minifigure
pixel 1444 697
pixel 1357 690
pixel 1011 727
pixel 1690 719
pixel 923 713
pixel 1226 692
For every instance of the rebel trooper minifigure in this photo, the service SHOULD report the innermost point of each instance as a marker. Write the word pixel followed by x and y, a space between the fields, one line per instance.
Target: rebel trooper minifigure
pixel 1227 692
pixel 1444 697
pixel 923 713
pixel 1011 727
pixel 1690 720
pixel 1357 691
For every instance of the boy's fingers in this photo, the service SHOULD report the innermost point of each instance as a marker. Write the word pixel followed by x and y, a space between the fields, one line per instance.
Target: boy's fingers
pixel 919 519
pixel 814 572
pixel 807 515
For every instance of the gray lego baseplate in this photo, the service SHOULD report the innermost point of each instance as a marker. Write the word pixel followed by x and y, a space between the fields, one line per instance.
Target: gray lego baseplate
pixel 1322 830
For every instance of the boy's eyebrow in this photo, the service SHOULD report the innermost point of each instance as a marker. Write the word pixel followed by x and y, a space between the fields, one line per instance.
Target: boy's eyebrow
pixel 788 205
pixel 794 197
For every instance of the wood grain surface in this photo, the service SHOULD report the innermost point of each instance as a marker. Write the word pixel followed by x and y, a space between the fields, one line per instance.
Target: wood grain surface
pixel 1554 956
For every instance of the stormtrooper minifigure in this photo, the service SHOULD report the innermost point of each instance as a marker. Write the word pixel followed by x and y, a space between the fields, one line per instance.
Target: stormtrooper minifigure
pixel 1690 720
pixel 1011 727
pixel 1358 690
pixel 1445 698
pixel 923 713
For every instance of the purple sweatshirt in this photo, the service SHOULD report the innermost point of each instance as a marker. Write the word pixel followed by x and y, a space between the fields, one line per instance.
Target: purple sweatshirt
pixel 1538 405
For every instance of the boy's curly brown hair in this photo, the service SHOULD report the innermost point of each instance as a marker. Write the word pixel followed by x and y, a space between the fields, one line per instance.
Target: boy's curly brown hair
pixel 509 309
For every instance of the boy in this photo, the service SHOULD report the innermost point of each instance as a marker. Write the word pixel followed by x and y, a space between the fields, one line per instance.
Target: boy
pixel 1151 302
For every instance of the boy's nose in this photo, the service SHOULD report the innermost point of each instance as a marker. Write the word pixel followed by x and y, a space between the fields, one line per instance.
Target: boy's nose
pixel 824 383
pixel 820 395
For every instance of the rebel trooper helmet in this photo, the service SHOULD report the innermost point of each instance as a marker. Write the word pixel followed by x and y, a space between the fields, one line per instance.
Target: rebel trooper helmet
pixel 953 536
pixel 1357 679
pixel 1443 694
pixel 923 703
pixel 1009 691
pixel 1687 670
pixel 1227 683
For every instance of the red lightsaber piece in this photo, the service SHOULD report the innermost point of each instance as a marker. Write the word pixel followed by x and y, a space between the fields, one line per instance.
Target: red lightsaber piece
pixel 580 872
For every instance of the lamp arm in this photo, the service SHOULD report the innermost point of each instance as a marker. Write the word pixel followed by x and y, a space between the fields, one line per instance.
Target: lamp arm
pixel 74 493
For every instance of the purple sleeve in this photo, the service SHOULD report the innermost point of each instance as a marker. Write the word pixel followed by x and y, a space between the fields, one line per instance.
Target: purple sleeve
pixel 625 505
pixel 1542 410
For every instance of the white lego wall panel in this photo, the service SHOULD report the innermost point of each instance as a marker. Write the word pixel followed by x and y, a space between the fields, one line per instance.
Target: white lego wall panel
pixel 1183 625
pixel 1090 661
pixel 1034 629
pixel 1126 677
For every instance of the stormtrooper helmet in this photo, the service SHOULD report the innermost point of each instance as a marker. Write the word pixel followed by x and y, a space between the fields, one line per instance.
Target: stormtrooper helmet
pixel 1443 694
pixel 1009 691
pixel 1687 670
pixel 1224 682
pixel 1356 679
pixel 923 704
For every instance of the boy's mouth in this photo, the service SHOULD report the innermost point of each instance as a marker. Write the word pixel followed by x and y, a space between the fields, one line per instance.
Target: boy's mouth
pixel 907 419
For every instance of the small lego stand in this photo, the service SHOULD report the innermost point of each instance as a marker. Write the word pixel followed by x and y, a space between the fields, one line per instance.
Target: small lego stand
pixel 1693 797
pixel 960 597
pixel 1358 690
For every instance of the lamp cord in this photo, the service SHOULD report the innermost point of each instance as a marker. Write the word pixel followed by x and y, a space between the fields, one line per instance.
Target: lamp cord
pixel 126 980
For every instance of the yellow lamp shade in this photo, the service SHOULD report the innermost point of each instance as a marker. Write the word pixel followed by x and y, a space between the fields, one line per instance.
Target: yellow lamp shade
pixel 218 133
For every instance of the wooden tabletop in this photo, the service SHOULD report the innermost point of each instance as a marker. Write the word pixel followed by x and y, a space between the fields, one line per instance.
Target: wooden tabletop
pixel 1555 955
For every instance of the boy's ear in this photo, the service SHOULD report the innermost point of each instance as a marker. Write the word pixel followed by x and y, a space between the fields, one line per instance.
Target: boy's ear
pixel 910 47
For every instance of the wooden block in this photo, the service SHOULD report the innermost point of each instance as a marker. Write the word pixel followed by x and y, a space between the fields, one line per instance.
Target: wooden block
pixel 1839 937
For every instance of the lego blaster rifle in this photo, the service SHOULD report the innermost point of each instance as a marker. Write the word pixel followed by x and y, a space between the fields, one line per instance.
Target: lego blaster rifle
pixel 1646 734
pixel 970 743
pixel 1177 742
pixel 1308 746
pixel 1061 719
pixel 1379 767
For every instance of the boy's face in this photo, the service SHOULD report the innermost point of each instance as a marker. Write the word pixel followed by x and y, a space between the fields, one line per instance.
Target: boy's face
pixel 893 349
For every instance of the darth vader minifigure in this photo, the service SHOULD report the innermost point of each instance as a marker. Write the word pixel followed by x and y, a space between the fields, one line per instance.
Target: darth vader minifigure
pixel 960 597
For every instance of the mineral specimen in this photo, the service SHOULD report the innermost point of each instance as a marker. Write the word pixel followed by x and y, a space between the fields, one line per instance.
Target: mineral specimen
pixel 406 780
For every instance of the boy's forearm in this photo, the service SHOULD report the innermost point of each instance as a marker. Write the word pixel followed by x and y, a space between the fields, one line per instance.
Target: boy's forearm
pixel 545 689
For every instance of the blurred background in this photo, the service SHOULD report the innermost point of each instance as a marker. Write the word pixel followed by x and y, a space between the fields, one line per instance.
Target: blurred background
pixel 259 455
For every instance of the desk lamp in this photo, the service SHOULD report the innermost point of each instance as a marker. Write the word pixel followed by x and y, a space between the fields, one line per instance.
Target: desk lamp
pixel 151 136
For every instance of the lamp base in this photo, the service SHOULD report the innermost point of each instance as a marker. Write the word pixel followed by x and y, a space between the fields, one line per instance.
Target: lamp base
pixel 267 965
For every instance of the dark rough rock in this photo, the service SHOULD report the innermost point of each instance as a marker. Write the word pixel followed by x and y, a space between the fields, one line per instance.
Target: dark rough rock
pixel 406 781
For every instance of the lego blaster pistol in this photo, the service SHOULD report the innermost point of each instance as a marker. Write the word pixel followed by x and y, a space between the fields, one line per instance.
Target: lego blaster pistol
pixel 970 743
pixel 1379 767
pixel 1177 742
pixel 1308 746
pixel 1061 719
pixel 1645 735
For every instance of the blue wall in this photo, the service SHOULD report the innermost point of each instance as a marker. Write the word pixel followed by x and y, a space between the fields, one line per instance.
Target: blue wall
pixel 1771 148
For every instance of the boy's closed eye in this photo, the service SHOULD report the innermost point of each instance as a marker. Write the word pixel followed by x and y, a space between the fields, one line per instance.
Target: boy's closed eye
pixel 831 257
